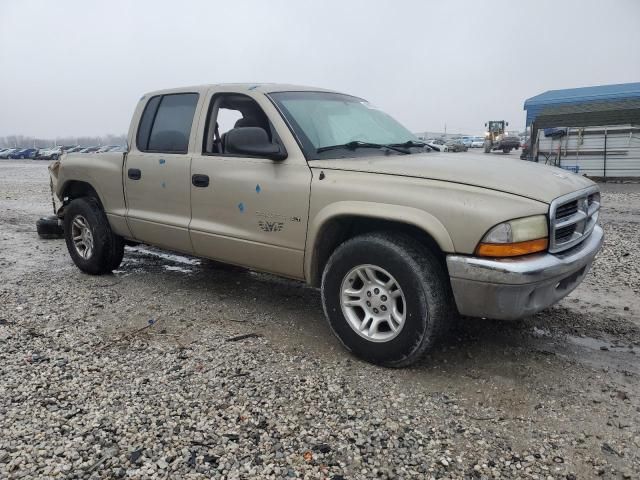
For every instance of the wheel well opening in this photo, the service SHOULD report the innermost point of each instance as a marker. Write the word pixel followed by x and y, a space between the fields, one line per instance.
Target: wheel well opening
pixel 337 231
pixel 77 189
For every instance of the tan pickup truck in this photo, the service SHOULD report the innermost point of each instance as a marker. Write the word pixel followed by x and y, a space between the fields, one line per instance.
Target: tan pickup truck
pixel 325 188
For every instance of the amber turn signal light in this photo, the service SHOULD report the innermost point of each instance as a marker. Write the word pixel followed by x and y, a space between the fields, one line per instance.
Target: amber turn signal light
pixel 512 249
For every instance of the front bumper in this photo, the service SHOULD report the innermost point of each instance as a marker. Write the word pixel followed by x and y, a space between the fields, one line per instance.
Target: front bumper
pixel 513 288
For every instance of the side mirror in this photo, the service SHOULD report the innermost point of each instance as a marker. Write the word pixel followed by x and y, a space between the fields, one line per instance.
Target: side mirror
pixel 252 141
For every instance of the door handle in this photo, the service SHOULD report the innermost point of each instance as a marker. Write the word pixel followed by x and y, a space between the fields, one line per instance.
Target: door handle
pixel 199 180
pixel 134 173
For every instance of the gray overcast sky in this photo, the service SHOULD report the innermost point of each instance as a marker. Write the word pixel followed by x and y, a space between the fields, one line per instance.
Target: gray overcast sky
pixel 78 67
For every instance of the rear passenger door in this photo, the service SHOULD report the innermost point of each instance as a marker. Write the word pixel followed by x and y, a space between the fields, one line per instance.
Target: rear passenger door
pixel 157 172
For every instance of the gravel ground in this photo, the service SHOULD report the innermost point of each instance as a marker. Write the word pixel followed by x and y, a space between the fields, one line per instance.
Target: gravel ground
pixel 176 368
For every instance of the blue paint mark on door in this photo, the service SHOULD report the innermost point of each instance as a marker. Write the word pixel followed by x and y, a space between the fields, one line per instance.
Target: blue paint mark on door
pixel 161 161
pixel 241 207
pixel 258 189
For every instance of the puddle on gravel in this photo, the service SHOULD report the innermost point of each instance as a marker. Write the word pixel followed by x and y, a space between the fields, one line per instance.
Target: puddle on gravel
pixel 584 341
pixel 172 257
pixel 599 353
pixel 175 268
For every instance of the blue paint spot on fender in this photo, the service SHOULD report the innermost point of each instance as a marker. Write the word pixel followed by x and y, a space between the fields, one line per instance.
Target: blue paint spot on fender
pixel 258 189
pixel 162 161
pixel 241 207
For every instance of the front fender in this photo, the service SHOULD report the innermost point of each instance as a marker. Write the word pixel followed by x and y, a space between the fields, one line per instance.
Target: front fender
pixel 383 211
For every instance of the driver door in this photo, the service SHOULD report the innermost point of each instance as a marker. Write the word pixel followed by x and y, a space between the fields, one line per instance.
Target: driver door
pixel 245 210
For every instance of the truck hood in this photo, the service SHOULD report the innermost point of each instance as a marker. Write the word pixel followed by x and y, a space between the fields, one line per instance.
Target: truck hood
pixel 493 171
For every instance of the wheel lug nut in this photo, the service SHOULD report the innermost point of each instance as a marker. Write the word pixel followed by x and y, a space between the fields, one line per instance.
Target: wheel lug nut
pixel 383 298
pixel 375 310
pixel 368 294
pixel 376 291
pixel 383 308
pixel 368 303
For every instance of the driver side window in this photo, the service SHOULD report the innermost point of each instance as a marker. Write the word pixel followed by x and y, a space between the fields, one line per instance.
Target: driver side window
pixel 228 111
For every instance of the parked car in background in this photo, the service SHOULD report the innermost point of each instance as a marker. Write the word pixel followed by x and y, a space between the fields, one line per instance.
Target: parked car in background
pixel 6 152
pixel 52 153
pixel 438 143
pixel 108 148
pixel 40 152
pixel 477 142
pixel 76 149
pixel 23 153
pixel 456 145
pixel 466 141
pixel 89 150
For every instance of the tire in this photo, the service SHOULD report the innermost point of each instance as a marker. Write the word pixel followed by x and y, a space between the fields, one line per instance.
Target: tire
pixel 487 148
pixel 54 157
pixel 49 227
pixel 426 297
pixel 506 150
pixel 107 248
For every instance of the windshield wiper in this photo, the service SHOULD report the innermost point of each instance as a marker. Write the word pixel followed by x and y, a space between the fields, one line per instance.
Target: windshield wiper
pixel 410 144
pixel 358 144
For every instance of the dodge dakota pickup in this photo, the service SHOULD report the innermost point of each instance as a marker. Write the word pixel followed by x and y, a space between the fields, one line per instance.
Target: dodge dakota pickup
pixel 326 188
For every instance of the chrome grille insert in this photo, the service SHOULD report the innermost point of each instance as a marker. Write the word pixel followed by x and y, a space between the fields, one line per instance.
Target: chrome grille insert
pixel 572 218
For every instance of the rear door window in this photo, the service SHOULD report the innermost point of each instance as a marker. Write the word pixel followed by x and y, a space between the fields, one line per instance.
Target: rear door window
pixel 166 123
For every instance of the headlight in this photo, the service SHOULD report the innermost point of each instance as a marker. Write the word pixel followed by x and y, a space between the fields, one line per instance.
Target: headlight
pixel 515 237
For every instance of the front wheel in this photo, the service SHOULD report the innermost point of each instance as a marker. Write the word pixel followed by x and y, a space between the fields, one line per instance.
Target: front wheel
pixel 93 247
pixel 386 297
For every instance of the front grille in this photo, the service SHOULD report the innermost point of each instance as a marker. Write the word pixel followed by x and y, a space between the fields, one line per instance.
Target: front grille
pixel 564 234
pixel 572 218
pixel 567 209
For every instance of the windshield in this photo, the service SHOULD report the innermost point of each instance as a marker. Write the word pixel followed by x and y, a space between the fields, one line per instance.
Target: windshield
pixel 321 120
pixel 495 126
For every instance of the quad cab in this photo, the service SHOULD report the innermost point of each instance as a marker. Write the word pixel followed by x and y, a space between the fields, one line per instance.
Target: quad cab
pixel 324 188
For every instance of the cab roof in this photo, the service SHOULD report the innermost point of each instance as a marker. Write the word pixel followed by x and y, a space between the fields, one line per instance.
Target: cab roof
pixel 244 87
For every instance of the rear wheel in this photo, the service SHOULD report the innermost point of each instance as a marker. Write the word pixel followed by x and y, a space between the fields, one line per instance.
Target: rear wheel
pixel 386 297
pixel 93 247
pixel 506 150
pixel 487 147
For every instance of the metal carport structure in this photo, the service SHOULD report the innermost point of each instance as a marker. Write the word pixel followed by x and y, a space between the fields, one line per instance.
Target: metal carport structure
pixel 578 108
